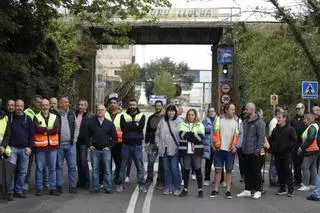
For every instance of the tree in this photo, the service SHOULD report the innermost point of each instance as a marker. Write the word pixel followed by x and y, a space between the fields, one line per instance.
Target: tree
pixel 269 61
pixel 130 72
pixel 163 85
pixel 178 72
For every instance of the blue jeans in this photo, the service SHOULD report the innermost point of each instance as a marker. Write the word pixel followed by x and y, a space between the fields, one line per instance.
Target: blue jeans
pixel 27 178
pixel 49 159
pixel 83 168
pixel 19 158
pixel 97 157
pixel 68 152
pixel 316 191
pixel 172 176
pixel 134 152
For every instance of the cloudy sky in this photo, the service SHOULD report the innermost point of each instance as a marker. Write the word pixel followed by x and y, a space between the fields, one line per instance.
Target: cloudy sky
pixel 198 56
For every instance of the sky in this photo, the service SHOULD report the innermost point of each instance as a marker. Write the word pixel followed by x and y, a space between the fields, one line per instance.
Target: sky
pixel 199 56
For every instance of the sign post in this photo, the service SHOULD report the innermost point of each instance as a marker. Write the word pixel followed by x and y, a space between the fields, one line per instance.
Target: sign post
pixel 274 100
pixel 309 90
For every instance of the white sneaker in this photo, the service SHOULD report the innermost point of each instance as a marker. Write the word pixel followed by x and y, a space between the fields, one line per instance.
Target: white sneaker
pixel 193 177
pixel 127 180
pixel 312 187
pixel 244 193
pixel 304 188
pixel 257 195
pixel 206 183
pixel 26 187
pixel 182 182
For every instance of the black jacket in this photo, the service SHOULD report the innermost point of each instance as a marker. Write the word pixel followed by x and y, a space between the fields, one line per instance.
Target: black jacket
pixel 22 131
pixel 132 131
pixel 101 136
pixel 151 129
pixel 83 132
pixel 283 140
pixel 298 125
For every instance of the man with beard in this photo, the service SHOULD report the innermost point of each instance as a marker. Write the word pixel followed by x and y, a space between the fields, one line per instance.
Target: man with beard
pixel 132 124
pixel 150 146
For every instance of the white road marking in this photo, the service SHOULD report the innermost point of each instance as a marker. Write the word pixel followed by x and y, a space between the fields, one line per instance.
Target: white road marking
pixel 147 202
pixel 133 201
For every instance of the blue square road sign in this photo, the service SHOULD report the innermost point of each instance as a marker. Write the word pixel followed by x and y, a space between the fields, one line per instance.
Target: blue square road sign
pixel 309 89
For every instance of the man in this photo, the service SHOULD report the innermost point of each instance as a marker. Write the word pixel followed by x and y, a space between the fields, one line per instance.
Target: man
pixel 150 146
pixel 21 141
pixel 132 124
pixel 54 106
pixel 10 107
pixel 103 136
pixel 82 117
pixel 272 168
pixel 252 144
pixel 114 115
pixel 34 109
pixel 67 148
pixel 46 144
pixel 299 126
pixel 225 139
pixel 282 142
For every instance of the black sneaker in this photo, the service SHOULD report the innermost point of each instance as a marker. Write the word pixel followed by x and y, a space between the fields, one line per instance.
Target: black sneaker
pixel 20 195
pixel 282 192
pixel 108 191
pixel 39 192
pixel 214 194
pixel 183 193
pixel 10 197
pixel 54 193
pixel 73 190
pixel 60 189
pixel 200 193
pixel 228 195
pixel 290 194
pixel 313 198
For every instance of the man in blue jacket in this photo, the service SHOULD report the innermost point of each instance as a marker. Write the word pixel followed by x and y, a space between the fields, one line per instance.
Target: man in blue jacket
pixel 103 135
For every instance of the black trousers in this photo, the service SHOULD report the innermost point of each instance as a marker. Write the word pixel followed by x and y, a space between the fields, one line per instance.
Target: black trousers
pixel 297 162
pixel 116 155
pixel 252 172
pixel 83 168
pixel 207 167
pixel 160 179
pixel 240 157
pixel 284 171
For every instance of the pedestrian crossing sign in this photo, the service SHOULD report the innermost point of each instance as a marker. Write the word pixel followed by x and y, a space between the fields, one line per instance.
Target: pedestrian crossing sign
pixel 309 89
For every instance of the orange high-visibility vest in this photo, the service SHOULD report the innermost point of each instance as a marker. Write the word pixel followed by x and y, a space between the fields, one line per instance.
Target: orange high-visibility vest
pixel 313 147
pixel 43 140
pixel 216 136
pixel 116 123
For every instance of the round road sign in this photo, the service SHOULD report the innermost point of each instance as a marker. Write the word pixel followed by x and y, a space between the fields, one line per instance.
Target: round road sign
pixel 225 88
pixel 225 99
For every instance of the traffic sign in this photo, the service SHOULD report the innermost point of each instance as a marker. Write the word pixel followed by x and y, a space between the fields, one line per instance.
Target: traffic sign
pixel 274 99
pixel 225 88
pixel 309 89
pixel 225 99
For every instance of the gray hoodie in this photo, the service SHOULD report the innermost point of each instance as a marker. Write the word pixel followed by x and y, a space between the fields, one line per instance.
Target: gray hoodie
pixel 253 135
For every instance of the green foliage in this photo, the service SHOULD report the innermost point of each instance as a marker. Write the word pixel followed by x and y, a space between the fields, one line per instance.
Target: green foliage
pixel 270 62
pixel 130 72
pixel 163 85
pixel 65 35
pixel 177 70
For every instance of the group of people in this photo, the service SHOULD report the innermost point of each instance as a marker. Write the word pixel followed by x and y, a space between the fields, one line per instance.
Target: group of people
pixel 50 132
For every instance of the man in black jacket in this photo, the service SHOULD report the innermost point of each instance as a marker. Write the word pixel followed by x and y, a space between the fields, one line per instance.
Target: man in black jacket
pixel 282 142
pixel 103 135
pixel 150 146
pixel 132 124
pixel 297 123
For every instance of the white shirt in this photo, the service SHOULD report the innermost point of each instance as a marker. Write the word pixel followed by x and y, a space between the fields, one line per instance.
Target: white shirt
pixel 228 128
pixel 272 125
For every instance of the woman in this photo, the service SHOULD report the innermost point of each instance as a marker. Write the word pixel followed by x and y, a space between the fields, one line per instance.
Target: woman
pixel 191 133
pixel 209 123
pixel 167 139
